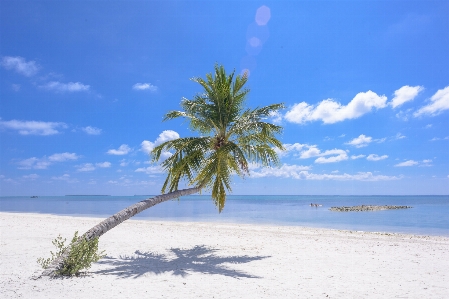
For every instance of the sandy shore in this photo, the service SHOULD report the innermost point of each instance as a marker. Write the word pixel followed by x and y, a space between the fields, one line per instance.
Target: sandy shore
pixel 153 259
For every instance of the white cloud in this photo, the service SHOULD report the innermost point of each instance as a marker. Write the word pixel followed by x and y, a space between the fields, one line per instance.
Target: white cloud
pixel 44 162
pixel 329 111
pixel 148 146
pixel 357 157
pixel 166 136
pixel 103 164
pixel 124 163
pixel 428 126
pixel 302 173
pixel 405 94
pixel 404 115
pixel 86 167
pixel 33 127
pixel 31 176
pixel 276 117
pixel 122 150
pixel 63 157
pixel 151 170
pixel 426 163
pixel 145 86
pixel 374 157
pixel 312 151
pixel 64 177
pixel 92 130
pixel 399 136
pixel 65 87
pixel 20 65
pixel 360 141
pixel 439 103
pixel 406 163
pixel 34 163
pixel 295 147
pixel 15 87
pixel 337 155
pixel 309 151
pixel 285 171
pixel 341 156
pixel 437 138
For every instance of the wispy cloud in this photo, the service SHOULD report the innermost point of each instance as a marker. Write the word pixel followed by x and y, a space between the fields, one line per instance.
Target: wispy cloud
pixel 86 167
pixel 374 157
pixel 63 157
pixel 438 138
pixel 302 173
pixel 364 140
pixel 92 130
pixel 439 102
pixel 34 163
pixel 287 171
pixel 122 150
pixel 44 162
pixel 336 155
pixel 360 141
pixel 32 176
pixel 65 177
pixel 20 65
pixel 406 163
pixel 91 167
pixel 65 87
pixel 423 163
pixel 145 86
pixel 33 127
pixel 151 170
pixel 104 164
pixel 330 111
pixel 405 94
pixel 399 136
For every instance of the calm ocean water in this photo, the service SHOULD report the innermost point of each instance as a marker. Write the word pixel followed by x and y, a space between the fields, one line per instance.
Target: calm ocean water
pixel 429 215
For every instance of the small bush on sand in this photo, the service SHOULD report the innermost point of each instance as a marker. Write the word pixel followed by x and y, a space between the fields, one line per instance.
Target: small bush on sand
pixel 81 256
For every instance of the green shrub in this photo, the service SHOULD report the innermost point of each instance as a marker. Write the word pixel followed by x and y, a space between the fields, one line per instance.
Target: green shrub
pixel 81 256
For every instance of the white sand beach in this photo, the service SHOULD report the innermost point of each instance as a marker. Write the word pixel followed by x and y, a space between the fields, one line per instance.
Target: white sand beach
pixel 153 259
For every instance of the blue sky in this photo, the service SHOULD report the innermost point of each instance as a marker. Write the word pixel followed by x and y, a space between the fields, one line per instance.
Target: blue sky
pixel 84 86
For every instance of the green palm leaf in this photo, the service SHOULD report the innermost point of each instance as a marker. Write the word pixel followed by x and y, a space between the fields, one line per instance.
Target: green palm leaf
pixel 232 137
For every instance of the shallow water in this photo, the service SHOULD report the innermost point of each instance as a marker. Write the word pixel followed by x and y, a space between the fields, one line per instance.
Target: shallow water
pixel 429 215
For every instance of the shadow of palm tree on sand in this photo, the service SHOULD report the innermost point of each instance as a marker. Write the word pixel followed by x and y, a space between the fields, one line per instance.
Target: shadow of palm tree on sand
pixel 198 259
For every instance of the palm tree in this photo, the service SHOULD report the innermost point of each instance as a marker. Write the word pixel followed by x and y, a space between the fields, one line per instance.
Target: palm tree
pixel 231 137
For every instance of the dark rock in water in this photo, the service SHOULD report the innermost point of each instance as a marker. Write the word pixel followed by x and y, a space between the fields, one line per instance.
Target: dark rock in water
pixel 364 208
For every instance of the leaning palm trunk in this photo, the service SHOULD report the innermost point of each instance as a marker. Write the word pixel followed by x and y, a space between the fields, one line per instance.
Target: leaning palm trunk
pixel 111 222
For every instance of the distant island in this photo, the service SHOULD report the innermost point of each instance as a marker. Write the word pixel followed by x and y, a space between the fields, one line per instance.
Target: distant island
pixel 87 195
pixel 364 208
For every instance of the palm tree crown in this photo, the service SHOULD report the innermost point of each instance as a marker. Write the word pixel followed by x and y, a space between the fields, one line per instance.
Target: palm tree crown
pixel 232 136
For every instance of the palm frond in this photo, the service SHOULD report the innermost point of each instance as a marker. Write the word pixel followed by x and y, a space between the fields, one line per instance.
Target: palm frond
pixel 232 137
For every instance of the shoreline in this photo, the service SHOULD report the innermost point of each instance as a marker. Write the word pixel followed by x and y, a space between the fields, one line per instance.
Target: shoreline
pixel 165 259
pixel 443 234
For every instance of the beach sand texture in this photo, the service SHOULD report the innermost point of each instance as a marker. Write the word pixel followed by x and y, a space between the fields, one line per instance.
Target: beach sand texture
pixel 154 259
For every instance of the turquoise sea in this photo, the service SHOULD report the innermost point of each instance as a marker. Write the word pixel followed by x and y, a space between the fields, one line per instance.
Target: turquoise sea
pixel 429 215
